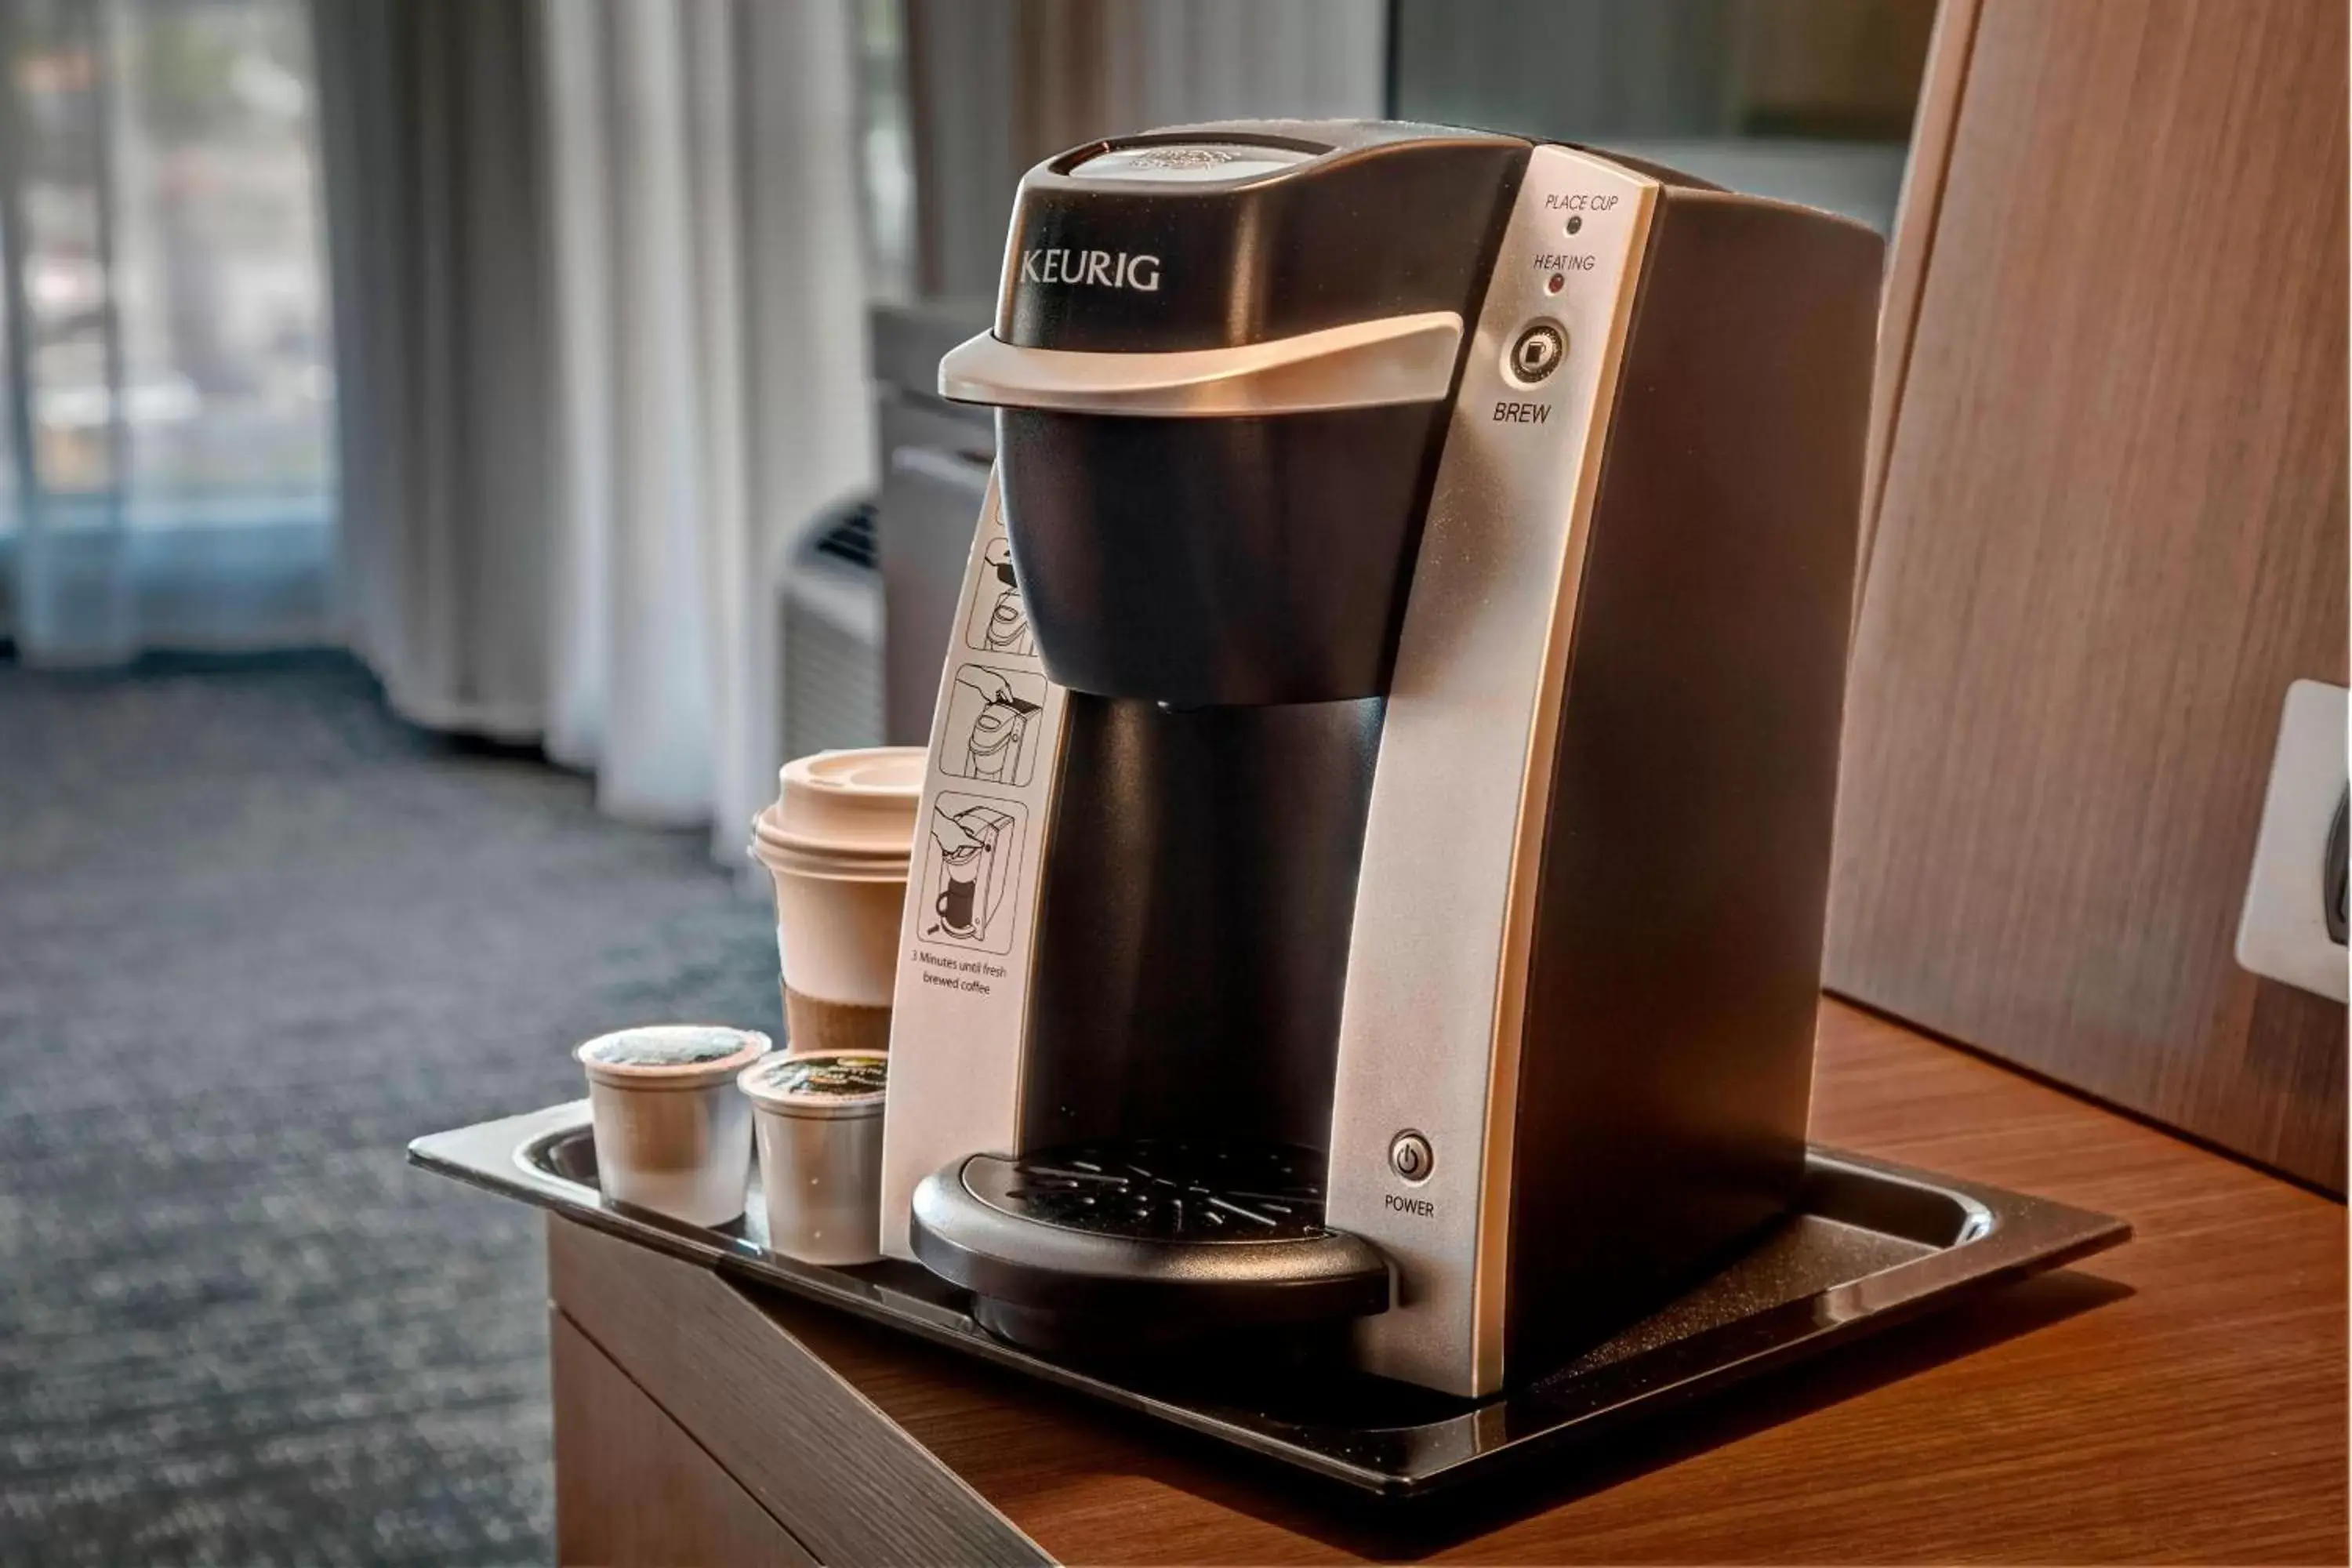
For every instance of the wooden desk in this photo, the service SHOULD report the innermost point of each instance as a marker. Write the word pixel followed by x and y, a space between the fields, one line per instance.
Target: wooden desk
pixel 2180 1399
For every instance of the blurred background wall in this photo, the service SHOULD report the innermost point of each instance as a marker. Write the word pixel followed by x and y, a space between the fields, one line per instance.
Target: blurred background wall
pixel 1810 101
pixel 994 86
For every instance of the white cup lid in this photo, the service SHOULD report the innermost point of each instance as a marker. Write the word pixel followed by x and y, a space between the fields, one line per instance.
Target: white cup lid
pixel 854 800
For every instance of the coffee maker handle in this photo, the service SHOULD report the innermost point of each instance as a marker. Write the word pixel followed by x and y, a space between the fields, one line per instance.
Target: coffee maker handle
pixel 1362 364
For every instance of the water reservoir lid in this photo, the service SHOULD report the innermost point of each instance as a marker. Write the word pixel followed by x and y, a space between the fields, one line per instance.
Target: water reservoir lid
pixel 1192 163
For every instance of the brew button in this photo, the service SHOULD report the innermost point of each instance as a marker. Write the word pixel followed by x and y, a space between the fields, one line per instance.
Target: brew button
pixel 1409 1156
pixel 1539 351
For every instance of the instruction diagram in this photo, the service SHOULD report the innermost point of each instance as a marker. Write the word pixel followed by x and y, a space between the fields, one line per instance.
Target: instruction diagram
pixel 1000 617
pixel 990 733
pixel 970 867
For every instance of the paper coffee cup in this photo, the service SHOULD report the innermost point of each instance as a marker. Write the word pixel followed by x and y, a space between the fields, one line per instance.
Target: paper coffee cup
pixel 837 845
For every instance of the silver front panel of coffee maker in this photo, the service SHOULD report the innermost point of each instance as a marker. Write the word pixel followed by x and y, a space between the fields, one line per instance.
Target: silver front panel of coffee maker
pixel 1424 1113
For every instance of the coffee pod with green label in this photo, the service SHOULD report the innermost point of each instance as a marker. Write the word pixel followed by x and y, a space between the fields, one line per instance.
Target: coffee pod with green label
pixel 820 1130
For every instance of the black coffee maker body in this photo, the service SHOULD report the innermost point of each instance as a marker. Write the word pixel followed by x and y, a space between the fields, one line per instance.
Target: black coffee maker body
pixel 1402 913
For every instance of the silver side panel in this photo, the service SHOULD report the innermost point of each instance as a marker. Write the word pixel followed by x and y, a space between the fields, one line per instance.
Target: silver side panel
pixel 960 1012
pixel 1437 964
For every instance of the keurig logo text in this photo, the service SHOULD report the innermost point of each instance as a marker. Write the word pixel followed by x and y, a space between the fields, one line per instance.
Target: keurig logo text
pixel 1101 268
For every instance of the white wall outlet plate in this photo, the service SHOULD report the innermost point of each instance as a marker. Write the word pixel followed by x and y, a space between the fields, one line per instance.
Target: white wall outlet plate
pixel 2283 931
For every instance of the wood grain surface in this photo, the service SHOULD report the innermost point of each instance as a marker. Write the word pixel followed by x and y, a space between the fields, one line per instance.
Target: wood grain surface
pixel 2112 529
pixel 616 1452
pixel 2181 1399
pixel 849 1486
pixel 1909 250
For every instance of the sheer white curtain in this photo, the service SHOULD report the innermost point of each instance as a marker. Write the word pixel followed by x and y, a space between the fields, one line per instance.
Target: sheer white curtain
pixel 598 268
pixel 710 347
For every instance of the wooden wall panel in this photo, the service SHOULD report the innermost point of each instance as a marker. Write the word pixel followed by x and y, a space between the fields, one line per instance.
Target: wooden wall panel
pixel 2111 529
pixel 1938 112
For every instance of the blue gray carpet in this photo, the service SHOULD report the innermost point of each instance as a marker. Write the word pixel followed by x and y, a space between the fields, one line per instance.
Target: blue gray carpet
pixel 255 934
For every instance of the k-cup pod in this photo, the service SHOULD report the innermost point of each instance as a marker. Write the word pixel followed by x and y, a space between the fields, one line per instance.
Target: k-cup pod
pixel 820 1120
pixel 672 1135
pixel 836 844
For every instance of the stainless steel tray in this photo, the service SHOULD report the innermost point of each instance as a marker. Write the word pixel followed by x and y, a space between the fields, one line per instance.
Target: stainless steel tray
pixel 1871 1244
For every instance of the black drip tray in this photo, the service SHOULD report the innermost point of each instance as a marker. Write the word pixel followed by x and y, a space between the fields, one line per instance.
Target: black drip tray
pixel 1870 1243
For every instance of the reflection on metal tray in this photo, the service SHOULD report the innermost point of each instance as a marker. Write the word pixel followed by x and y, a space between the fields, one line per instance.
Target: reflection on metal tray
pixel 1871 1244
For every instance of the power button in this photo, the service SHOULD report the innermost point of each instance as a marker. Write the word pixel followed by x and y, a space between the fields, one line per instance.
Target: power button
pixel 1410 1157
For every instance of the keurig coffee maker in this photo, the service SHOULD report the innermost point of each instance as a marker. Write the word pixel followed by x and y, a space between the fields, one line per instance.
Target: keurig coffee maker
pixel 1379 805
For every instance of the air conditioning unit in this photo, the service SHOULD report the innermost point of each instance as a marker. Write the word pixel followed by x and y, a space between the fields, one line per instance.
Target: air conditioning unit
pixel 829 633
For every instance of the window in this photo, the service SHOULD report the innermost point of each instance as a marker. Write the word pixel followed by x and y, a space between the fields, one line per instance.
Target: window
pixel 167 402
